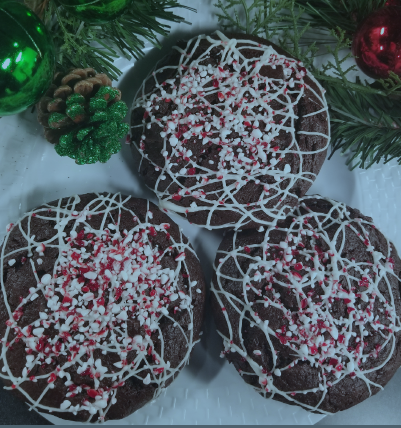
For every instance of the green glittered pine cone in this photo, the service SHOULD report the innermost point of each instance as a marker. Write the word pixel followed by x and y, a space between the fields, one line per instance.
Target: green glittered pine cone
pixel 82 115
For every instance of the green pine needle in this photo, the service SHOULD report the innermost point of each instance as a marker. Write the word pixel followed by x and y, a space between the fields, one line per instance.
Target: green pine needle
pixel 82 45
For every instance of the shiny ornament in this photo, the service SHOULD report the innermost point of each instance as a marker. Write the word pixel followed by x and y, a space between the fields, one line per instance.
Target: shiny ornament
pixel 96 12
pixel 26 58
pixel 377 43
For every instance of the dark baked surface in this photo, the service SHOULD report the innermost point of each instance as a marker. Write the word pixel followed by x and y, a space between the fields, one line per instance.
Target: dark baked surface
pixel 309 311
pixel 119 318
pixel 236 146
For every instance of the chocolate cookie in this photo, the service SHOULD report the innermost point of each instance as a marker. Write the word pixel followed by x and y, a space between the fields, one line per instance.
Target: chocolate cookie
pixel 309 311
pixel 102 302
pixel 230 131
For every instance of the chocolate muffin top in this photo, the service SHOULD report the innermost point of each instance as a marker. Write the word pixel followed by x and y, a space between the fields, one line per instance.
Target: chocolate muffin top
pixel 102 302
pixel 231 131
pixel 309 311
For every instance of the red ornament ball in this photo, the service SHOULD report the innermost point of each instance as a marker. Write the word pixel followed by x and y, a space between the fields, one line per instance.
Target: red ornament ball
pixel 377 43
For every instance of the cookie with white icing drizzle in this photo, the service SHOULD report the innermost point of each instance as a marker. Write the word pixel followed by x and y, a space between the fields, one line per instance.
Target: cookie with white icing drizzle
pixel 230 131
pixel 309 310
pixel 101 304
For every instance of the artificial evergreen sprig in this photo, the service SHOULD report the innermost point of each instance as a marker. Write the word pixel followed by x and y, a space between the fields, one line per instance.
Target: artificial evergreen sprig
pixel 365 117
pixel 83 45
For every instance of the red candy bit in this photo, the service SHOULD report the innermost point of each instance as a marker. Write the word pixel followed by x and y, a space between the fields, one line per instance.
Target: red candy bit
pixel 177 197
pixel 304 303
pixel 247 250
pixel 66 299
pixel 52 378
pixel 298 266
pixel 181 256
pixel 152 231
pixel 87 372
pixel 282 338
pixel 191 171
pixel 159 370
pixel 93 393
pixel 313 350
pixel 333 362
pixel 297 275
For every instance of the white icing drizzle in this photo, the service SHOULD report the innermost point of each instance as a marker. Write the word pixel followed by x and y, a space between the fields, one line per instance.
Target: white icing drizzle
pixel 312 332
pixel 126 281
pixel 243 126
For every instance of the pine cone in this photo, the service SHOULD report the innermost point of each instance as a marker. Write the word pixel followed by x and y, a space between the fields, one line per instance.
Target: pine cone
pixel 82 115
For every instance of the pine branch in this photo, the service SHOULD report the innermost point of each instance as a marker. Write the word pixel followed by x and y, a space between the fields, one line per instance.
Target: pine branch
pixel 367 125
pixel 365 118
pixel 345 14
pixel 293 34
pixel 254 17
pixel 88 45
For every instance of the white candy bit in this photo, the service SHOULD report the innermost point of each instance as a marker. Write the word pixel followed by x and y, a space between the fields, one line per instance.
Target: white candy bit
pixel 257 352
pixel 65 404
pixel 90 275
pixel 146 381
pixel 257 133
pixel 173 297
pixel 40 249
pixel 39 261
pixel 46 279
pixel 277 372
pixel 11 262
pixel 38 331
pixel 101 404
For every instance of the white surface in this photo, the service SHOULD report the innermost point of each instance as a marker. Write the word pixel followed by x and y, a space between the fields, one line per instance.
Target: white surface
pixel 208 391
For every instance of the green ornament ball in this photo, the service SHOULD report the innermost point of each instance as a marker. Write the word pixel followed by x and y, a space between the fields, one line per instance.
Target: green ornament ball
pixel 95 11
pixel 27 58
